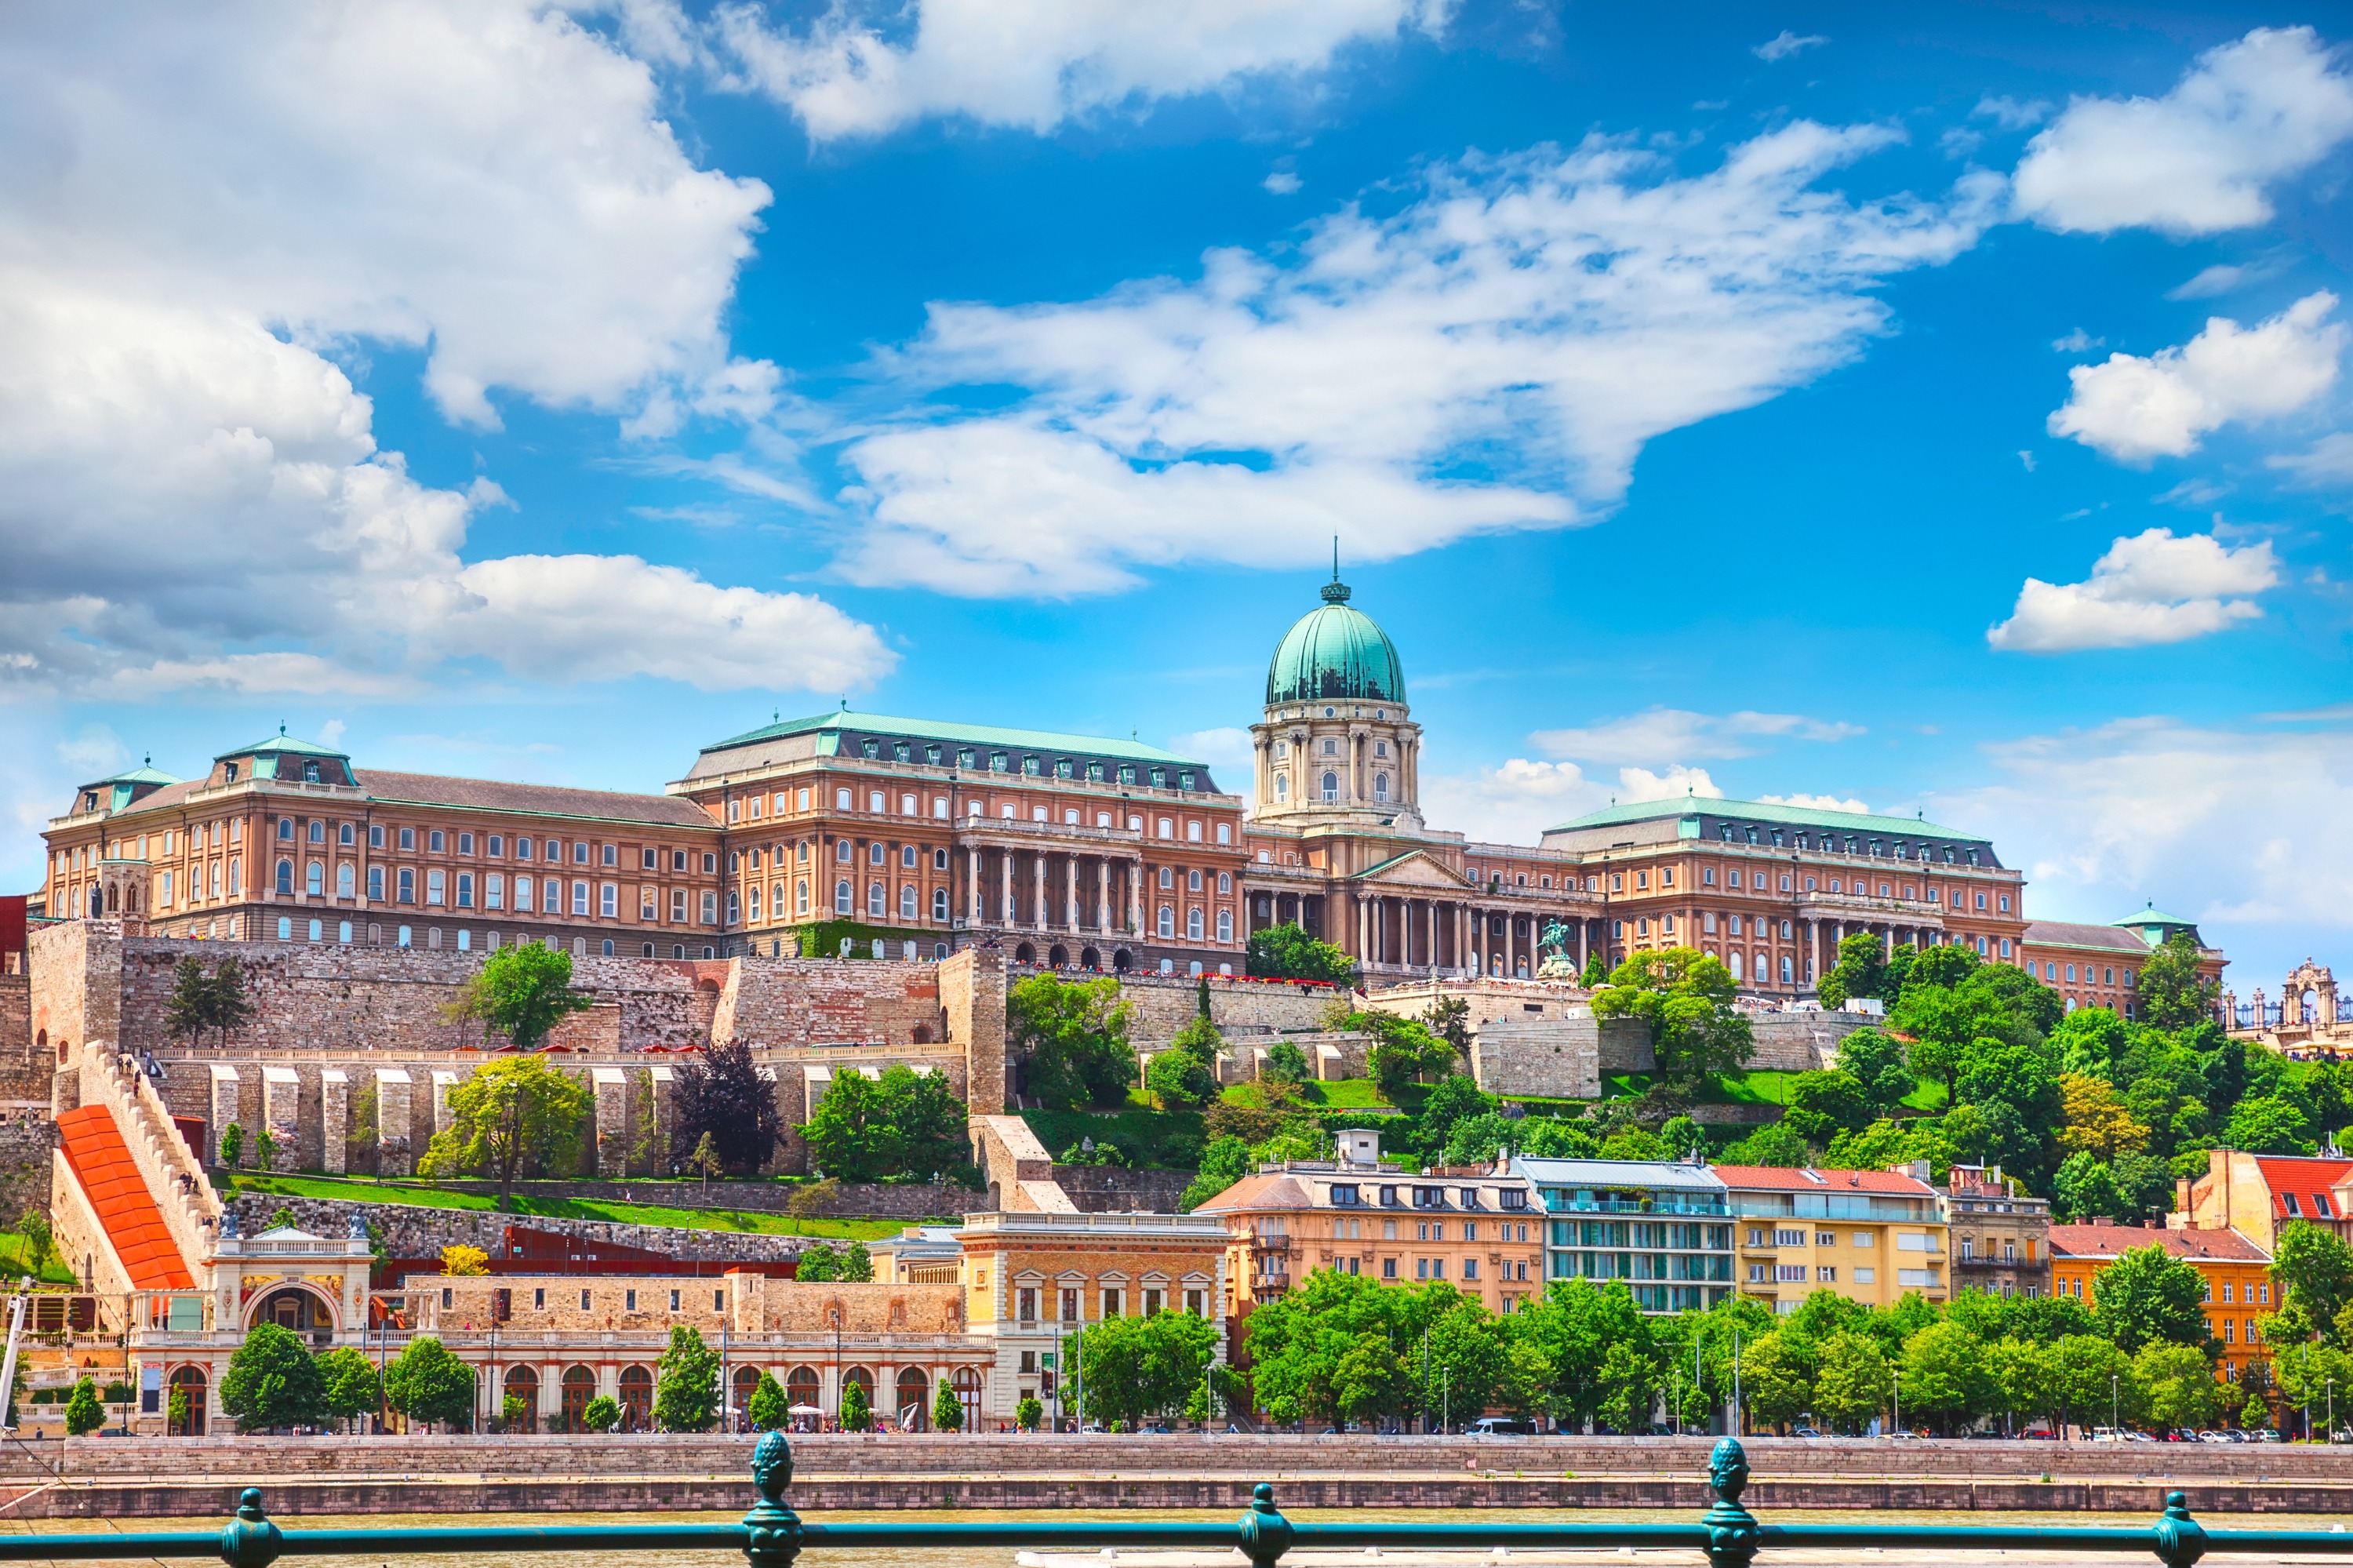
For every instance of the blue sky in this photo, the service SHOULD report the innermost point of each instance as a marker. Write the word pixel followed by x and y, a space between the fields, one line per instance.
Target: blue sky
pixel 1941 409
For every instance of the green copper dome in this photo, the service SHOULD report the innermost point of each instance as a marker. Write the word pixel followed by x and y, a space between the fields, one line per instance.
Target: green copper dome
pixel 1334 652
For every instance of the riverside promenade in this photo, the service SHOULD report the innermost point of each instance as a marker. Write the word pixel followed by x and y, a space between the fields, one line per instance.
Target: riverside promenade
pixel 193 1477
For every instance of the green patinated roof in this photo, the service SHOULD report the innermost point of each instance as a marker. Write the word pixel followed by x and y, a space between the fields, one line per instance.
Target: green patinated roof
pixel 145 773
pixel 1761 811
pixel 2153 915
pixel 955 734
pixel 1336 653
pixel 283 744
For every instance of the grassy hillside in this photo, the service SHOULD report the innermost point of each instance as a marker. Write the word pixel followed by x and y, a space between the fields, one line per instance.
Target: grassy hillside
pixel 423 1196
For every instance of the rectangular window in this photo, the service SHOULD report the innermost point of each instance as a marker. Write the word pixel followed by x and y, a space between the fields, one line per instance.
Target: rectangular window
pixel 495 846
pixel 608 900
pixel 1866 1276
pixel 407 885
pixel 436 886
pixel 494 891
pixel 1789 1273
pixel 407 838
pixel 376 883
pixel 465 890
pixel 435 842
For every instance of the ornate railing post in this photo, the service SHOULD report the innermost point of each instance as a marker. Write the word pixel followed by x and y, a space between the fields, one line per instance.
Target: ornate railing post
pixel 774 1537
pixel 1731 1529
pixel 2181 1540
pixel 251 1541
pixel 1266 1535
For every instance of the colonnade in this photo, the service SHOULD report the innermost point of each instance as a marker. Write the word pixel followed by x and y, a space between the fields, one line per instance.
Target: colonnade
pixel 1080 893
pixel 1424 934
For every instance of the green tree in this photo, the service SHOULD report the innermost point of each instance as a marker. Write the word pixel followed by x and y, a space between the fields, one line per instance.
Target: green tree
pixel 188 1011
pixel 521 992
pixel 2314 1268
pixel 1028 1413
pixel 272 1382
pixel 39 1240
pixel 1286 1061
pixel 2148 1297
pixel 1773 1144
pixel 852 1135
pixel 512 1115
pixel 1776 1380
pixel 2173 995
pixel 1860 970
pixel 1454 1099
pixel 1199 1039
pixel 84 1414
pixel 1628 1381
pixel 1403 1050
pixel 350 1387
pixel 856 1265
pixel 232 1146
pixel 427 1384
pixel 947 1410
pixel 1824 1103
pixel 1684 998
pixel 1075 1038
pixel 1179 1081
pixel 769 1408
pixel 1224 1162
pixel 1875 1059
pixel 265 1149
pixel 2266 1124
pixel 2091 1042
pixel 1551 1138
pixel 1632 1142
pixel 2023 1376
pixel 2084 1189
pixel 1945 1373
pixel 2177 1387
pixel 1684 1136
pixel 686 1383
pixel 1478 1140
pixel 856 1412
pixel 1855 1381
pixel 720 1093
pixel 1140 1366
pixel 1287 952
pixel 818 1264
pixel 1567 1333
pixel 602 1414
pixel 1596 970
pixel 228 1004
pixel 704 1162
pixel 1449 1018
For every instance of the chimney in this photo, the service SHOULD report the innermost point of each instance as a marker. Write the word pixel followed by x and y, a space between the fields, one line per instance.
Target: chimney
pixel 1993 1175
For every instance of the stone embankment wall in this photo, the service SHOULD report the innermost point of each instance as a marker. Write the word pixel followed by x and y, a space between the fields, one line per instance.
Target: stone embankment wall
pixel 1159 1005
pixel 24 1070
pixel 1557 1059
pixel 29 1139
pixel 409 1231
pixel 1109 1190
pixel 101 1477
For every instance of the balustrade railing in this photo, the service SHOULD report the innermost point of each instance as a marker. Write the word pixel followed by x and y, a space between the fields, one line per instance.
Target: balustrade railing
pixel 773 1536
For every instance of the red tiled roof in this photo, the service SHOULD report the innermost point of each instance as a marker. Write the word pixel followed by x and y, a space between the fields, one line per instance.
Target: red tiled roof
pixel 2114 1241
pixel 102 1167
pixel 1774 1179
pixel 1269 1190
pixel 2308 1178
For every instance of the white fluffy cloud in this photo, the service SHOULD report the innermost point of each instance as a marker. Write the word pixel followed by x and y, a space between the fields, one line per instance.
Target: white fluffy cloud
pixel 1679 734
pixel 2152 588
pixel 861 67
pixel 1517 802
pixel 1494 357
pixel 2249 831
pixel 1819 803
pixel 2196 161
pixel 2134 408
pixel 198 211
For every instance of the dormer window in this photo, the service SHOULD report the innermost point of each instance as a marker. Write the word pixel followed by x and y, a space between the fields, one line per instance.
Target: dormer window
pixel 229 776
pixel 311 772
pixel 2288 1200
pixel 89 799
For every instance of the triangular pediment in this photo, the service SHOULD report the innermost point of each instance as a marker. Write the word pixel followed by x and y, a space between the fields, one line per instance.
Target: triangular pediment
pixel 1415 869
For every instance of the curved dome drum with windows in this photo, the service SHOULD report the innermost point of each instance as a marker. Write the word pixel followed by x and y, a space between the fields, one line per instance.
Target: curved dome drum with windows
pixel 1335 653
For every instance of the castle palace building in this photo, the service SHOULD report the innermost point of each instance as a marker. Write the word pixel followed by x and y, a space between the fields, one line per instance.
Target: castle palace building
pixel 859 834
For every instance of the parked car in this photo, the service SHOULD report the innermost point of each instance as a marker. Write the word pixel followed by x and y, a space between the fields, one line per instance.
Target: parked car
pixel 1501 1427
pixel 1803 1432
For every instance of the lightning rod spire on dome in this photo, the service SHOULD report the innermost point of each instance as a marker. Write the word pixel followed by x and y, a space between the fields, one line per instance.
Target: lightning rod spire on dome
pixel 1335 591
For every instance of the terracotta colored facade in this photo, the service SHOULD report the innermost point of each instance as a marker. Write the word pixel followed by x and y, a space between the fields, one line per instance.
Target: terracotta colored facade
pixel 2256 1195
pixel 2237 1274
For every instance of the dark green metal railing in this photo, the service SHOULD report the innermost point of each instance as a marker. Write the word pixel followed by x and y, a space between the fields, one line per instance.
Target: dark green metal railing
pixel 772 1535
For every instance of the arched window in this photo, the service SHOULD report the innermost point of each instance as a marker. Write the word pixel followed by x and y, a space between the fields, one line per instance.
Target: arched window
pixel 801 1387
pixel 939 903
pixel 875 895
pixel 1283 787
pixel 184 1410
pixel 800 897
pixel 751 903
pixel 286 877
pixel 521 1387
pixel 579 1388
pixel 343 883
pixel 1193 881
pixel 1732 961
pixel 1193 923
pixel 1380 786
pixel 908 906
pixel 1167 920
pixel 842 854
pixel 314 879
pixel 843 899
pixel 637 1399
pixel 914 1400
pixel 1225 925
pixel 1331 786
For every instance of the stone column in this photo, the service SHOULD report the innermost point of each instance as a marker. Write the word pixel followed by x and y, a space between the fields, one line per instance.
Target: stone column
pixel 611 1087
pixel 1005 915
pixel 1071 903
pixel 972 871
pixel 281 1113
pixel 1135 897
pixel 1584 946
pixel 1103 895
pixel 224 1111
pixel 661 1083
pixel 1364 930
pixel 1037 912
pixel 1432 955
pixel 334 1118
pixel 396 1153
pixel 1461 932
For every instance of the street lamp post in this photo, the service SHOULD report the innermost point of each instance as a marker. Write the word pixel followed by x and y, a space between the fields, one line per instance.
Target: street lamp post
pixel 2114 1424
pixel 1899 1401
